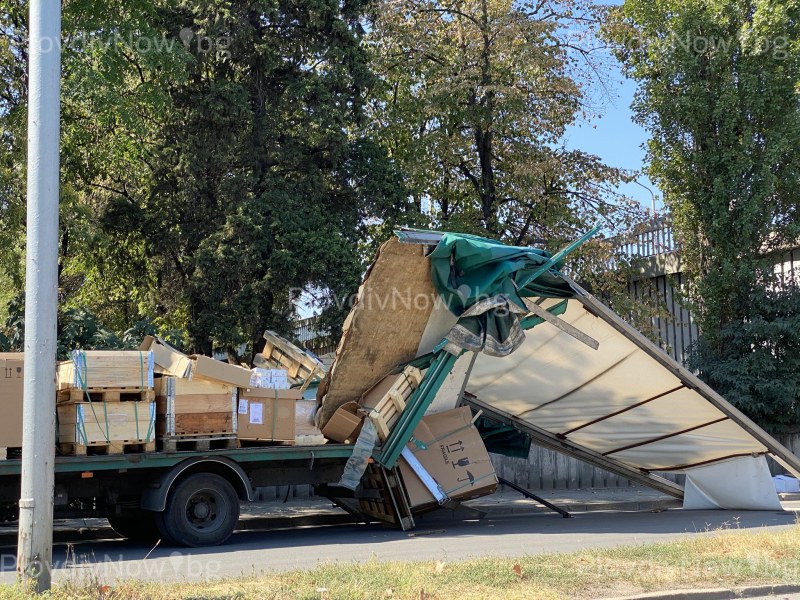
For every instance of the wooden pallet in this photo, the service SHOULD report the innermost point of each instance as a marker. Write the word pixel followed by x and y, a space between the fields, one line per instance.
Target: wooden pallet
pixel 280 353
pixel 386 499
pixel 119 394
pixel 200 443
pixel 388 409
pixel 108 448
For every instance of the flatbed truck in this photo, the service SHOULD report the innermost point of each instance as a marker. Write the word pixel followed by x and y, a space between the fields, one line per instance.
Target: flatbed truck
pixel 185 498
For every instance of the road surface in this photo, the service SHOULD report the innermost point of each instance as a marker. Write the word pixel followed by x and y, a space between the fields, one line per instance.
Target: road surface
pixel 249 552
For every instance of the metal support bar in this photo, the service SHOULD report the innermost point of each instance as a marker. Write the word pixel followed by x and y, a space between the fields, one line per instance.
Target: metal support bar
pixel 549 440
pixel 533 496
pixel 779 452
pixel 559 256
pixel 415 408
pixel 561 324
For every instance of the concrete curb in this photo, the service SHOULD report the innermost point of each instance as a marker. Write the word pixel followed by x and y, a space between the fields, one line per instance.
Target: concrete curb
pixel 717 593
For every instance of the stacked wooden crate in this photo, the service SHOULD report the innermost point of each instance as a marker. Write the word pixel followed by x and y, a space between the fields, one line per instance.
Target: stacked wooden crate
pixel 195 414
pixel 279 353
pixel 387 399
pixel 105 402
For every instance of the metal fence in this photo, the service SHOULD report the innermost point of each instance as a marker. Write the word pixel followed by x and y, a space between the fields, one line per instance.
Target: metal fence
pixel 313 336
pixel 650 238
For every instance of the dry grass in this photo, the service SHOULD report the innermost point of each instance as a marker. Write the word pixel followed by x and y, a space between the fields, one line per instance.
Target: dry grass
pixel 723 558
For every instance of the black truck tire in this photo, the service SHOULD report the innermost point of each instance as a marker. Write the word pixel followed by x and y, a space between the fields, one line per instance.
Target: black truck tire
pixel 137 525
pixel 201 510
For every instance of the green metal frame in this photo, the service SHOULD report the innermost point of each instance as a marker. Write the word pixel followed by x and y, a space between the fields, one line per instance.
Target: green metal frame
pixel 415 408
pixel 559 256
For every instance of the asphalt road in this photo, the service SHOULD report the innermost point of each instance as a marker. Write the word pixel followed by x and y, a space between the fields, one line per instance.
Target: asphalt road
pixel 249 552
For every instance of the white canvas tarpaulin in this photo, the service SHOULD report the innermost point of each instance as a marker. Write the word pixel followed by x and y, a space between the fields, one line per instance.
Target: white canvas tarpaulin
pixel 616 400
pixel 739 483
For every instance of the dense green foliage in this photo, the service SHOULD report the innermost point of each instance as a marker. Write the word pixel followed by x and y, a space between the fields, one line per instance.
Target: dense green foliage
pixel 758 369
pixel 718 84
pixel 220 159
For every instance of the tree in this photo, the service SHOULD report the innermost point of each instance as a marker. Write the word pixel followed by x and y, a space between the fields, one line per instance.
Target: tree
pixel 256 190
pixel 477 97
pixel 718 92
pixel 212 163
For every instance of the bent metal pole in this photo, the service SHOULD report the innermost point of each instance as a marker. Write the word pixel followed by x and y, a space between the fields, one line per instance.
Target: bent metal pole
pixel 35 549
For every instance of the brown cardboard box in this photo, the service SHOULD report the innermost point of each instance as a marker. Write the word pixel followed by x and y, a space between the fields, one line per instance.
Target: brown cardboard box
pixel 208 369
pixel 345 424
pixel 454 454
pixel 11 374
pixel 267 415
pixel 168 360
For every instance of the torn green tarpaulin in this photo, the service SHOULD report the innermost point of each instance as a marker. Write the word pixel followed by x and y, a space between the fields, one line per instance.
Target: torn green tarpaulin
pixel 503 439
pixel 477 279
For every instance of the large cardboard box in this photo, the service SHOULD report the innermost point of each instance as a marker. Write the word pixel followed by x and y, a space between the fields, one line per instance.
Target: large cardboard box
pixel 209 369
pixel 345 424
pixel 168 360
pixel 267 415
pixel 185 407
pixel 11 376
pixel 451 450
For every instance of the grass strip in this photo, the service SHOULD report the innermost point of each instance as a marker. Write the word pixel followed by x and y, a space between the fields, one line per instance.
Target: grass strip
pixel 725 558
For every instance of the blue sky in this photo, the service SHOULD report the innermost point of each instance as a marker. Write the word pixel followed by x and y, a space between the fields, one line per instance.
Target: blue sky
pixel 616 139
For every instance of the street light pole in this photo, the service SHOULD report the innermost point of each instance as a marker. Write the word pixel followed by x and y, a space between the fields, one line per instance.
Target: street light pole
pixel 35 547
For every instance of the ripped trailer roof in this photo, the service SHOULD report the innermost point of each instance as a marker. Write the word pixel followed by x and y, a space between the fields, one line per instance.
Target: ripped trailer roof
pixel 585 379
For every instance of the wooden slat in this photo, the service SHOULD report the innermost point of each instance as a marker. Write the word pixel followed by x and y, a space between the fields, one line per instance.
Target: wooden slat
pixel 199 423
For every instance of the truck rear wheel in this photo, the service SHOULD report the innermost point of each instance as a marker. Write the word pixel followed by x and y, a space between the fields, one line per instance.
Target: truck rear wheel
pixel 201 510
pixel 137 525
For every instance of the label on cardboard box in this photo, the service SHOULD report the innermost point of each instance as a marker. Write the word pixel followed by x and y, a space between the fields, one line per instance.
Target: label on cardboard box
pixel 256 413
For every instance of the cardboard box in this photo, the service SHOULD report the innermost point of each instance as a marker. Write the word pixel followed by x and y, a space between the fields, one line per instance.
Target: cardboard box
pixel 168 360
pixel 209 369
pixel 267 415
pixel 453 454
pixel 277 379
pixel 345 424
pixel 11 377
